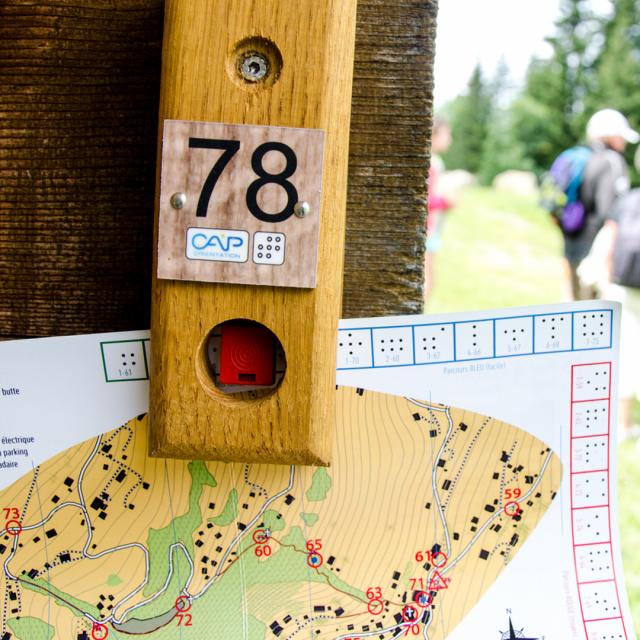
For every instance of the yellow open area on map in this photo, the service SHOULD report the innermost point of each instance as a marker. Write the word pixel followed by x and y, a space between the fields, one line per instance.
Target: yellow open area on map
pixel 423 507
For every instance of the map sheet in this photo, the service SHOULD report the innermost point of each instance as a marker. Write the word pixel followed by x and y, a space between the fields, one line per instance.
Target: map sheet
pixel 471 494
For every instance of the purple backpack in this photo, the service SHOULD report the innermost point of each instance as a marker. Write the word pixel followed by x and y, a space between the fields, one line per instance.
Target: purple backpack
pixel 560 188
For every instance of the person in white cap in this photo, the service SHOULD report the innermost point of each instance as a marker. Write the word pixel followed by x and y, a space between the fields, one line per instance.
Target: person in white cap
pixel 605 179
pixel 621 282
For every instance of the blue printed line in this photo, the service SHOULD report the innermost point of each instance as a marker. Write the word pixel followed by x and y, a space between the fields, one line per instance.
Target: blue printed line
pixel 373 357
pixel 494 339
pixel 455 340
pixel 413 341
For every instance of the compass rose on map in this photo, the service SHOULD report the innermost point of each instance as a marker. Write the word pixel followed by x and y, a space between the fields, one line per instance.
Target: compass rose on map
pixel 512 634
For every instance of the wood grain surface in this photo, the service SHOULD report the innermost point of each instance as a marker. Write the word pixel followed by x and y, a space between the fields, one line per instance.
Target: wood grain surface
pixel 189 417
pixel 391 120
pixel 79 86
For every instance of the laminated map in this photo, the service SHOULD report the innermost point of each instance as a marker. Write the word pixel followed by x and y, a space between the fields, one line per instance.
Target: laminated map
pixel 471 493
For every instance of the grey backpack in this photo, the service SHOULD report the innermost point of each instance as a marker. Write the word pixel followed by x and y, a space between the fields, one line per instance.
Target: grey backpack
pixel 626 253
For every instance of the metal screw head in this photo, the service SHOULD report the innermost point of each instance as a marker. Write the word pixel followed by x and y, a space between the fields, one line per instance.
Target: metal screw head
pixel 178 200
pixel 254 67
pixel 301 209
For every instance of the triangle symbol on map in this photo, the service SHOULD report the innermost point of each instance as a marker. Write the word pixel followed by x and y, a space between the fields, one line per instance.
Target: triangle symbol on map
pixel 437 582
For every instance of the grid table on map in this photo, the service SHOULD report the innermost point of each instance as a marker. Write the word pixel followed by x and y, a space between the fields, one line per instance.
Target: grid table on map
pixel 482 339
pixel 590 506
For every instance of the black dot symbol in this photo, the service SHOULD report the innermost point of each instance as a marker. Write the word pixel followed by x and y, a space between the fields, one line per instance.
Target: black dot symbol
pixel 277 247
pixel 260 255
pixel 269 247
pixel 260 246
pixel 269 239
pixel 268 256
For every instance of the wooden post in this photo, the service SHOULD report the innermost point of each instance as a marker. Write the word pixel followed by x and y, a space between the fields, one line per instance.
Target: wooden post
pixel 310 88
pixel 391 119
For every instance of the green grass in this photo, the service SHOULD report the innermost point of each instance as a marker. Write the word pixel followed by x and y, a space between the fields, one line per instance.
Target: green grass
pixel 500 250
pixel 629 498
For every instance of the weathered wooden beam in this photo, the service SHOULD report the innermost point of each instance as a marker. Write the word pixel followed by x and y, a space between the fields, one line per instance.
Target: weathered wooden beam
pixel 391 119
pixel 79 86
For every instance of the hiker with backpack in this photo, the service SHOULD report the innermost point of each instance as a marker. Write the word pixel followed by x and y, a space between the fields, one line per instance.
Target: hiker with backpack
pixel 582 186
pixel 622 231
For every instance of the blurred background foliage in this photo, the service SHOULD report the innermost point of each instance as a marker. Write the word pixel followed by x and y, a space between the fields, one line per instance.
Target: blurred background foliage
pixel 595 64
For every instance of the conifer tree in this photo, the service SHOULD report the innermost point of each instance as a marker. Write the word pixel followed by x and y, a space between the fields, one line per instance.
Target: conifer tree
pixel 551 113
pixel 501 150
pixel 618 65
pixel 469 116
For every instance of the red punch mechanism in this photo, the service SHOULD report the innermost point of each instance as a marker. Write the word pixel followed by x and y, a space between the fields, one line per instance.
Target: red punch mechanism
pixel 247 355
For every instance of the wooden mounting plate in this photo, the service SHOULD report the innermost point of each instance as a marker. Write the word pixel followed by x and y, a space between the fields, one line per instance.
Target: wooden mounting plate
pixel 218 238
pixel 189 415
